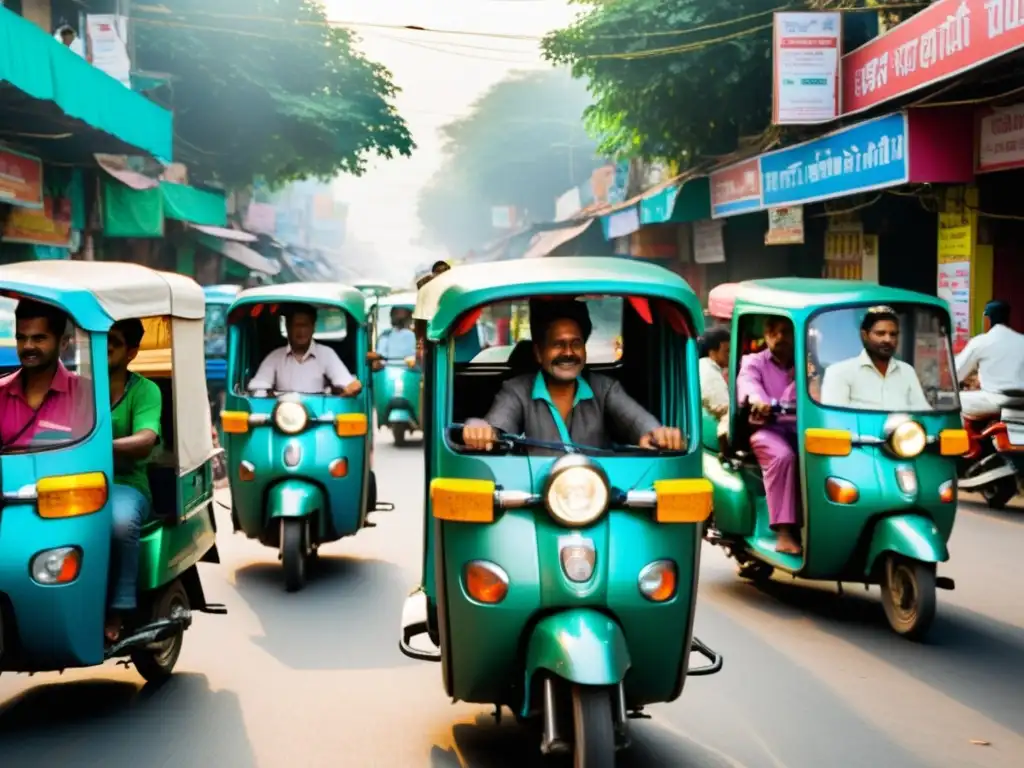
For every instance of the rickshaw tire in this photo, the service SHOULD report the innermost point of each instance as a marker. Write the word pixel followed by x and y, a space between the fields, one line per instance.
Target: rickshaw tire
pixel 756 571
pixel 399 436
pixel 916 626
pixel 593 728
pixel 293 553
pixel 154 666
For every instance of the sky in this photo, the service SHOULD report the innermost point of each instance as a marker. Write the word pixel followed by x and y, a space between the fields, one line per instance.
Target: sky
pixel 441 76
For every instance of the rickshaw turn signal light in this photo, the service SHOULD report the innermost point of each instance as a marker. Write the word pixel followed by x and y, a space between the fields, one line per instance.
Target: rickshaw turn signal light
pixel 350 424
pixel 683 501
pixel 658 581
pixel 462 501
pixel 485 582
pixel 338 468
pixel 56 566
pixel 947 492
pixel 841 491
pixel 234 422
pixel 246 471
pixel 71 495
pixel 828 442
pixel 953 442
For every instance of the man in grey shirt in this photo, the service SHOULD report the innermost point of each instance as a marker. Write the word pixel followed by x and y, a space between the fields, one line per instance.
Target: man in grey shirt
pixel 561 405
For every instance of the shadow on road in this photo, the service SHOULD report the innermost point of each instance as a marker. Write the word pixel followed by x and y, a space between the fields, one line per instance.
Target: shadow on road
pixel 347 616
pixel 1013 514
pixel 108 722
pixel 975 660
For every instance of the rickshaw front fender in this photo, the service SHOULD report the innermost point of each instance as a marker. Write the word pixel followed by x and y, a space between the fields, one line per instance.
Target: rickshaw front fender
pixel 581 646
pixel 295 498
pixel 400 416
pixel 912 536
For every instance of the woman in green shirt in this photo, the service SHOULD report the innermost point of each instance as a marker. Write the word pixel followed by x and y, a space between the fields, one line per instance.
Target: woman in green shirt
pixel 136 405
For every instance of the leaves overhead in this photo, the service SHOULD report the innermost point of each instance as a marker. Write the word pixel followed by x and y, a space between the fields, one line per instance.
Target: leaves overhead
pixel 267 87
pixel 522 145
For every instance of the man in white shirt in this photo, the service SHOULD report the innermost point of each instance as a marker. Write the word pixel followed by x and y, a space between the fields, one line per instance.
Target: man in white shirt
pixel 304 366
pixel 874 380
pixel 714 390
pixel 397 342
pixel 997 356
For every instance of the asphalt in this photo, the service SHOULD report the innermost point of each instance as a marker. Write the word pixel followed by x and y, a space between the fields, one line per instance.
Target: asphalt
pixel 812 678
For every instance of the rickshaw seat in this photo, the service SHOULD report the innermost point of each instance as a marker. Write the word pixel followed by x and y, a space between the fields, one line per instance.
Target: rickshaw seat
pixel 163 484
pixel 522 360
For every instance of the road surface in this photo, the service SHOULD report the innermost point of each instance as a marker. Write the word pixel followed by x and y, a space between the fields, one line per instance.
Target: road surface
pixel 313 679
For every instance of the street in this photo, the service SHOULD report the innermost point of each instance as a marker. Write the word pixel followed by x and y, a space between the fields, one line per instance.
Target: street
pixel 315 678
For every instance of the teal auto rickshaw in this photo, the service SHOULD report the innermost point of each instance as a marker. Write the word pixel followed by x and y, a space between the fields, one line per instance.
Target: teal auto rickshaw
pixel 372 288
pixel 218 301
pixel 55 523
pixel 299 464
pixel 396 378
pixel 562 586
pixel 876 486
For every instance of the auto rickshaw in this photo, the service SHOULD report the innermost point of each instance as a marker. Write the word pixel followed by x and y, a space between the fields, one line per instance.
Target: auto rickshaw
pixel 396 380
pixel 218 301
pixel 55 546
pixel 562 586
pixel 372 288
pixel 876 488
pixel 299 464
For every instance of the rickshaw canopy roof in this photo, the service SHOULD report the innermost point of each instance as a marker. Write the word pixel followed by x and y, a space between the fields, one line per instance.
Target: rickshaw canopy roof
pixel 373 287
pixel 802 295
pixel 339 295
pixel 405 299
pixel 449 295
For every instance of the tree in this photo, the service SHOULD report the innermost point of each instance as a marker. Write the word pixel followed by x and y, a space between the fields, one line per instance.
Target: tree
pixel 522 145
pixel 267 87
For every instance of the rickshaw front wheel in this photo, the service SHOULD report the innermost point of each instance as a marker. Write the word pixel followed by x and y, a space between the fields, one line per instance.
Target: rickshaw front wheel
pixel 398 431
pixel 908 596
pixel 594 730
pixel 293 552
pixel 756 570
pixel 156 662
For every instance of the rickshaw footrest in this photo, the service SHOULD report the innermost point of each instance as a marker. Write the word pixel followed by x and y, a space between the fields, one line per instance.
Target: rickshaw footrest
pixel 217 609
pixel 945 582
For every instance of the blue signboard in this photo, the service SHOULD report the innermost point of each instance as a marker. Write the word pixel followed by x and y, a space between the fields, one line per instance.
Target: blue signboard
pixel 869 155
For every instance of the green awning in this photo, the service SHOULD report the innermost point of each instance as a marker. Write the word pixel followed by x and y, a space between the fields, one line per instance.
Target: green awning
pixel 196 206
pixel 39 66
pixel 133 212
pixel 678 203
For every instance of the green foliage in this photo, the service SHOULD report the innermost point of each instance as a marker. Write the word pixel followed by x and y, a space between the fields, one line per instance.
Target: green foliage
pixel 710 87
pixel 522 145
pixel 267 87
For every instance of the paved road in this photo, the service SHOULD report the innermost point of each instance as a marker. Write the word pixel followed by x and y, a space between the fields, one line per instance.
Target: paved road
pixel 314 679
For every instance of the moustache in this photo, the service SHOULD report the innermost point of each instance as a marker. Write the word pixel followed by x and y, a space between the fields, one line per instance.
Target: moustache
pixel 566 360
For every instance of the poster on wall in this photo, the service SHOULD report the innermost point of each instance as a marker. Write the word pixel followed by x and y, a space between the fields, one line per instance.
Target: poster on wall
pixel 1001 139
pixel 49 225
pixel 107 36
pixel 807 49
pixel 954 287
pixel 785 226
pixel 21 179
pixel 708 244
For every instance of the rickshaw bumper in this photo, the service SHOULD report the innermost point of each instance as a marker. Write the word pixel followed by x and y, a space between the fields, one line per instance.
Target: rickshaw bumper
pixel 580 646
pixel 400 416
pixel 295 498
pixel 912 536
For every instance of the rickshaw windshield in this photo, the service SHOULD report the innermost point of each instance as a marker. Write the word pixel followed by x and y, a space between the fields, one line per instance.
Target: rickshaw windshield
pixel 882 358
pixel 61 363
pixel 215 330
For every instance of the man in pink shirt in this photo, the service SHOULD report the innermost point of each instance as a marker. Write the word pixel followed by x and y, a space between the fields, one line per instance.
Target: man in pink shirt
pixel 41 400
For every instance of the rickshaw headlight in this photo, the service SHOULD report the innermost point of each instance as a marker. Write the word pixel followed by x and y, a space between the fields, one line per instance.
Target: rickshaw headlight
pixel 577 492
pixel 291 418
pixel 908 440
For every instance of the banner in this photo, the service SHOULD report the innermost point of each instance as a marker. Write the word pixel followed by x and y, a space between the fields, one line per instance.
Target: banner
pixel 805 57
pixel 49 225
pixel 736 189
pixel 21 179
pixel 1001 139
pixel 785 226
pixel 107 35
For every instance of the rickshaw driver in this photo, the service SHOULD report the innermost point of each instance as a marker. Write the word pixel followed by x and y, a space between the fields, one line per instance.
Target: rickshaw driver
pixel 396 343
pixel 136 405
pixel 766 376
pixel 874 380
pixel 302 365
pixel 559 401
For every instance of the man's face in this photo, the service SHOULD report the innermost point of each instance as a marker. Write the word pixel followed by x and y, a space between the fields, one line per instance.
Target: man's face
pixel 67 37
pixel 400 318
pixel 778 335
pixel 38 346
pixel 118 352
pixel 300 330
pixel 563 353
pixel 881 339
pixel 720 355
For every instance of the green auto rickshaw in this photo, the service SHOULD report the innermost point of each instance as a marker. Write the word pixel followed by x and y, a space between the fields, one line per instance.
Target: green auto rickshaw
pixel 299 462
pixel 873 420
pixel 396 373
pixel 56 524
pixel 562 586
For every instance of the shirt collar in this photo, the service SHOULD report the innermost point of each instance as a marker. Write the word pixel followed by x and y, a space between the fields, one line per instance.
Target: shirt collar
pixel 540 390
pixel 60 383
pixel 714 365
pixel 311 352
pixel 866 361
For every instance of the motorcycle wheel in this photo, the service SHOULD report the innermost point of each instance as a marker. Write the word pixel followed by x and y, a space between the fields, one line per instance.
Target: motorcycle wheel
pixel 1000 493
pixel 594 731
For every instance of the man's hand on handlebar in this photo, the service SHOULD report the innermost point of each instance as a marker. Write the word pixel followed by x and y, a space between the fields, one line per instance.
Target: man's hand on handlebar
pixel 759 412
pixel 478 435
pixel 666 438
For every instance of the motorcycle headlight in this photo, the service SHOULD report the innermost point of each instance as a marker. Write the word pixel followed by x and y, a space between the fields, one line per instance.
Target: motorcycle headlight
pixel 291 418
pixel 908 440
pixel 577 492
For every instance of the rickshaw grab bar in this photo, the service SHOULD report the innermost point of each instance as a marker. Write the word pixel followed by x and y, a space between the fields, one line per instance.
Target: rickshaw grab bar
pixel 25 493
pixel 714 657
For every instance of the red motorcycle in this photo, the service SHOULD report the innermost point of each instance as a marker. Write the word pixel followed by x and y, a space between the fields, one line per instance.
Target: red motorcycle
pixel 994 464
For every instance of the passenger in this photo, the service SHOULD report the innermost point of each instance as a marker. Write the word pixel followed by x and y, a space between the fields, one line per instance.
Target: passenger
pixel 997 356
pixel 766 376
pixel 136 405
pixel 714 389
pixel 560 404
pixel 302 365
pixel 874 380
pixel 42 396
pixel 397 342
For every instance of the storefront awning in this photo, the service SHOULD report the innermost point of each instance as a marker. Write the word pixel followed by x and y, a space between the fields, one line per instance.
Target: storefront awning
pixel 678 200
pixel 193 205
pixel 137 206
pixel 546 242
pixel 239 253
pixel 49 90
pixel 224 233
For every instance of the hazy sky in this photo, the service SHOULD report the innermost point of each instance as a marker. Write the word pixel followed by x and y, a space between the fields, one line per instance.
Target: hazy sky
pixel 440 77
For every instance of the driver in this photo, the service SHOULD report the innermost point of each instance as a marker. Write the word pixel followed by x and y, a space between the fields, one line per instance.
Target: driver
pixel 997 356
pixel 561 405
pixel 302 365
pixel 397 342
pixel 874 380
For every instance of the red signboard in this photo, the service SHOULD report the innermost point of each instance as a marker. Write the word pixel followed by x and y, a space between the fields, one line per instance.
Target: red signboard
pixel 21 179
pixel 945 39
pixel 49 225
pixel 736 189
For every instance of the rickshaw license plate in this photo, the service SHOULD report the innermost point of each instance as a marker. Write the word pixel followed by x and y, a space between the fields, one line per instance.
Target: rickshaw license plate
pixel 1015 433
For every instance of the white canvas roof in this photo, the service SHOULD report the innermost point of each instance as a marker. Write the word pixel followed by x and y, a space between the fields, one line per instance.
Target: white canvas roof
pixel 122 289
